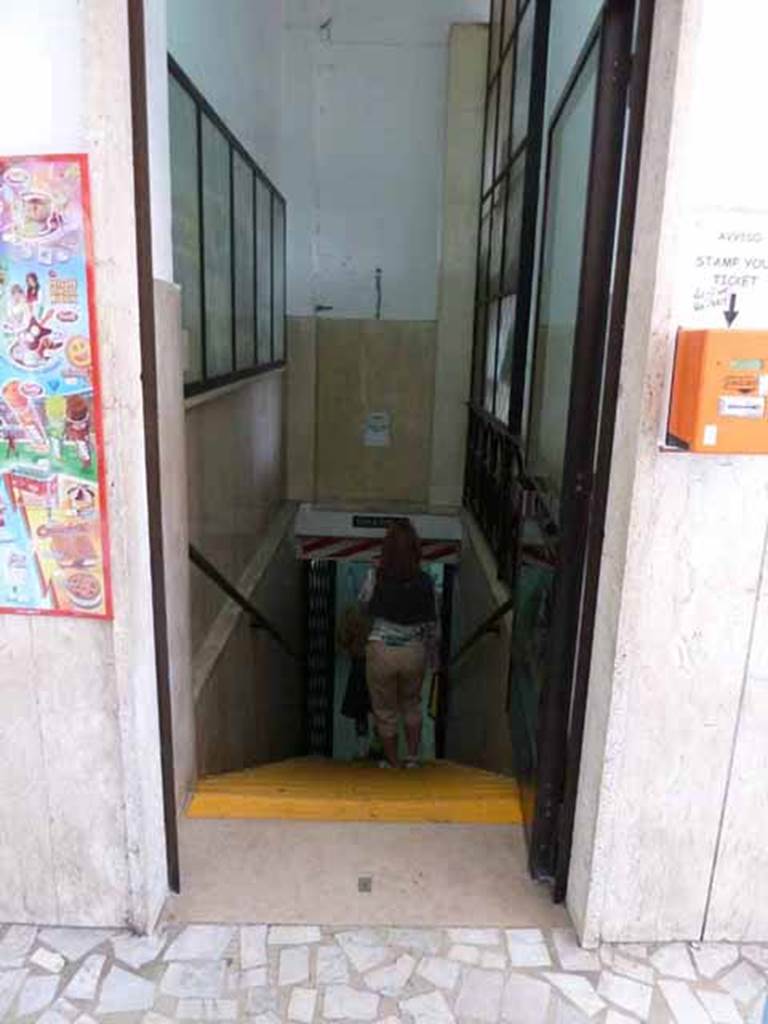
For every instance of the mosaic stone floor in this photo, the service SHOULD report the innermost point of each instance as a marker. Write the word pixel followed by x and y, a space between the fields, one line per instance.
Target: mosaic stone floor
pixel 415 976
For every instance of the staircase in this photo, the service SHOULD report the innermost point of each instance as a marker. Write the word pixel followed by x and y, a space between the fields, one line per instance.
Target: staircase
pixel 318 789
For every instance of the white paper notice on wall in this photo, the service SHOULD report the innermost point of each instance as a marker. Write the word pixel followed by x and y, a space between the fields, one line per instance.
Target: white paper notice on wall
pixel 377 432
pixel 726 270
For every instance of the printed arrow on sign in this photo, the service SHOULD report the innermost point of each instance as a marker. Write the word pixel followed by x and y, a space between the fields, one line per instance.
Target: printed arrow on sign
pixel 731 313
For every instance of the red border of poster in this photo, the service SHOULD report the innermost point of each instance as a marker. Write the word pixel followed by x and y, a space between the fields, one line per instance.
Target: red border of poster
pixel 54 535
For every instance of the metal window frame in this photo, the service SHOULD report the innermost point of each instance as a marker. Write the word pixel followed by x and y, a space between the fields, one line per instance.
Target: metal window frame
pixel 527 149
pixel 493 472
pixel 211 383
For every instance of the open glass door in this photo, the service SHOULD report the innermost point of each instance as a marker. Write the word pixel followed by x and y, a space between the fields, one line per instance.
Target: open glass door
pixel 584 160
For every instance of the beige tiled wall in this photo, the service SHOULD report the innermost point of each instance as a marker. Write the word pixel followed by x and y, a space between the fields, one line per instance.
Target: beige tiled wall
pixel 366 366
pixel 235 469
pixel 478 730
pixel 250 710
pixel 463 144
pixel 173 482
pixel 301 407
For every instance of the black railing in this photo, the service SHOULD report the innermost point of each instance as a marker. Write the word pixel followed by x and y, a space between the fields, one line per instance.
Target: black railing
pixel 489 625
pixel 494 486
pixel 258 621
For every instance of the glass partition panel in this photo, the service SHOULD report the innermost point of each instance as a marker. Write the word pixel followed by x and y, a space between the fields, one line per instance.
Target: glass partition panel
pixel 523 71
pixel 503 149
pixel 245 265
pixel 570 147
pixel 491 113
pixel 278 277
pixel 490 355
pixel 185 220
pixel 225 256
pixel 264 271
pixel 217 250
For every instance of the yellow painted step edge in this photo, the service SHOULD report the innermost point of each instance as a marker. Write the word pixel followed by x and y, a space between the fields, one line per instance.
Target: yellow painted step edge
pixel 450 810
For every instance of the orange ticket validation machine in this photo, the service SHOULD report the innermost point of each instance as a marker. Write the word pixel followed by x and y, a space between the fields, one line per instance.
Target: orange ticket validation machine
pixel 719 401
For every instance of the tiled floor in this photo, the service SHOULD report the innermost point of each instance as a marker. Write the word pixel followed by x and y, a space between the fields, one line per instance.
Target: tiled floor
pixel 418 976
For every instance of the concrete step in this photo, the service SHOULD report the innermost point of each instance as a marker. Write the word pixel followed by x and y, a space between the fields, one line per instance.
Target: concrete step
pixel 318 789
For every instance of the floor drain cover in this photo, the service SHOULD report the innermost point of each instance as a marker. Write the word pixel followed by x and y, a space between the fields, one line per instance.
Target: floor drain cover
pixel 365 883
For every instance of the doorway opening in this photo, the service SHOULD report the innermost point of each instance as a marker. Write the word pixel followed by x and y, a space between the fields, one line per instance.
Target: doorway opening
pixel 553 259
pixel 336 772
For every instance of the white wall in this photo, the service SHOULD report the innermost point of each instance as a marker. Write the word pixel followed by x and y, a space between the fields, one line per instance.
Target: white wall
pixel 81 812
pixel 233 51
pixel 156 47
pixel 364 125
pixel 32 34
pixel 671 837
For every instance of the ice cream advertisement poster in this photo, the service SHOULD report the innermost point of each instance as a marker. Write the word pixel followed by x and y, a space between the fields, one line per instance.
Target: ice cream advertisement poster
pixel 54 551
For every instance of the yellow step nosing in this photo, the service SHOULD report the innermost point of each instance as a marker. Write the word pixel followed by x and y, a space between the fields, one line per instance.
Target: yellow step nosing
pixel 319 790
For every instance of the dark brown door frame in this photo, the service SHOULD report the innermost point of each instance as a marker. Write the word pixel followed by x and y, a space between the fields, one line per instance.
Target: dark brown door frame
pixel 141 179
pixel 594 543
pixel 615 28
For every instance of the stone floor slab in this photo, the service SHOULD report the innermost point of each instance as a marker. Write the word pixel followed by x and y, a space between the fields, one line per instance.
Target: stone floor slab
pixel 74 943
pixel 137 950
pixel 713 957
pixel 674 961
pixel 84 984
pixel 16 945
pixel 475 936
pixel 440 972
pixel 10 985
pixel 331 966
pixel 427 1009
pixel 53 962
pixel 194 980
pixel 293 935
pixel 625 993
pixel 125 992
pixel 391 979
pixel 480 996
pixel 720 1007
pixel 301 1006
pixel 682 1001
pixel 200 942
pixel 293 966
pixel 525 1000
pixel 345 1003
pixel 579 990
pixel 37 993
pixel 253 946
pixel 527 948
pixel 744 982
pixel 570 954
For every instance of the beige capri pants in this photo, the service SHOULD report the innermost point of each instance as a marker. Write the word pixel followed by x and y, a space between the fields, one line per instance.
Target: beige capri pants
pixel 395 676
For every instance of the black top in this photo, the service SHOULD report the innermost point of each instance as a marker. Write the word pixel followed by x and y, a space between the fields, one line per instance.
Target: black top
pixel 406 602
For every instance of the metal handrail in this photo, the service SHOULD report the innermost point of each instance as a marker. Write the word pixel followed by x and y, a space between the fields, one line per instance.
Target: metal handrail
pixel 486 626
pixel 257 619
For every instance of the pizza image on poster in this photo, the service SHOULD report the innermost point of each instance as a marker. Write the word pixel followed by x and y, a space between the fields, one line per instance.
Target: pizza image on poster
pixel 54 551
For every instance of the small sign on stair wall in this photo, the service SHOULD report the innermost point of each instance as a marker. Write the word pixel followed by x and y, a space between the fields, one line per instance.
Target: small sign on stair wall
pixel 377 432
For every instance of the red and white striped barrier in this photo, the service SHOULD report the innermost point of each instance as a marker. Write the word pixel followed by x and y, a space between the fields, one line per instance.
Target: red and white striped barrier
pixel 368 549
